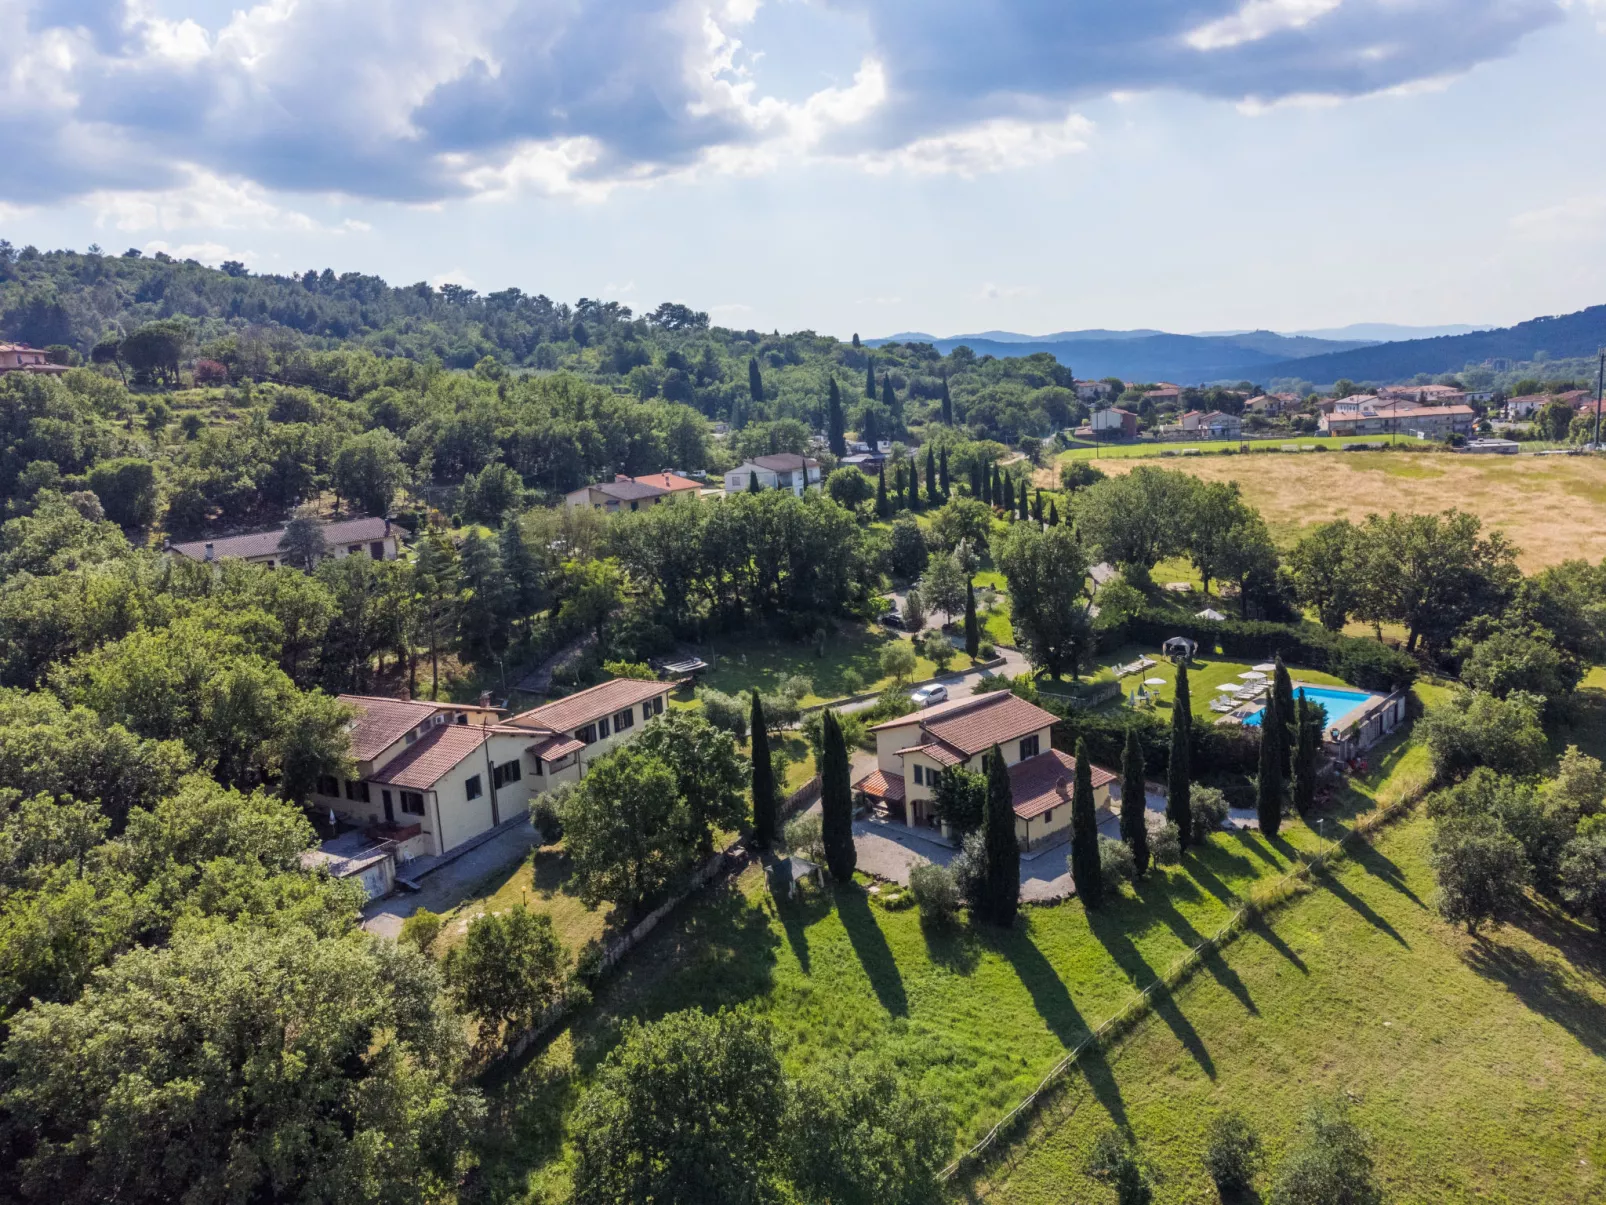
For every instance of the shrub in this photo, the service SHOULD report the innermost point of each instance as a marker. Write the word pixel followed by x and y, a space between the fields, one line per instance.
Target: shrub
pixel 985 651
pixel 728 713
pixel 422 928
pixel 1209 809
pixel 936 891
pixel 629 669
pixel 1481 870
pixel 1115 1162
pixel 1233 1153
pixel 892 899
pixel 1165 845
pixel 588 963
pixel 970 867
pixel 546 813
pixel 1329 1165
pixel 1116 863
pixel 803 837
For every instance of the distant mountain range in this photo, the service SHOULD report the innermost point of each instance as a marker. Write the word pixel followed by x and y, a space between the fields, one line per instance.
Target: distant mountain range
pixel 1377 352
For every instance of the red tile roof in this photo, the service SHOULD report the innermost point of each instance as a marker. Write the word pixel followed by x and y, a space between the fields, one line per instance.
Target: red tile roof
pixel 587 706
pixel 555 747
pixel 880 785
pixel 673 482
pixel 266 543
pixel 1045 781
pixel 383 722
pixel 420 766
pixel 977 723
pixel 943 755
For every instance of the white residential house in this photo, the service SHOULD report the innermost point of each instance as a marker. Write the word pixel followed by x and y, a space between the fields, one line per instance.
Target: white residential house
pixel 912 751
pixel 784 470
pixel 376 538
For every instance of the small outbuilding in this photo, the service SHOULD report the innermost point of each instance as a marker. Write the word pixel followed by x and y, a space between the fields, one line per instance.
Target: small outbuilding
pixel 786 874
pixel 1180 648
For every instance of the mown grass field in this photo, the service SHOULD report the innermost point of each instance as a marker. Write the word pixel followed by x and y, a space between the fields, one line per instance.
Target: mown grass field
pixel 1476 1065
pixel 977 1016
pixel 1549 506
pixel 851 663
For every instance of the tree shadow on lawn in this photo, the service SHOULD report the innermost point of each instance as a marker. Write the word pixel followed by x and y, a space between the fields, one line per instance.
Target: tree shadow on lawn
pixel 1059 1012
pixel 1544 987
pixel 1325 878
pixel 1157 893
pixel 1111 929
pixel 952 946
pixel 797 914
pixel 1366 856
pixel 875 956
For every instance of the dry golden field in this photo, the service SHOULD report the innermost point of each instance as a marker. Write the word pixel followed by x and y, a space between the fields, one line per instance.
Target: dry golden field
pixel 1552 507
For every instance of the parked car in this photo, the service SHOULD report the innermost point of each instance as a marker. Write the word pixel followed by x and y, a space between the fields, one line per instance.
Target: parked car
pixel 927 695
pixel 892 620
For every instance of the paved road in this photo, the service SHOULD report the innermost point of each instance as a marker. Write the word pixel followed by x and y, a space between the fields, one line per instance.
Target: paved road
pixel 449 886
pixel 959 682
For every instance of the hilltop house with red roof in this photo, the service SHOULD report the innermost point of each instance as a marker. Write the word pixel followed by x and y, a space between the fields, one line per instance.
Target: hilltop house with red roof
pixel 913 750
pixel 430 777
pixel 632 493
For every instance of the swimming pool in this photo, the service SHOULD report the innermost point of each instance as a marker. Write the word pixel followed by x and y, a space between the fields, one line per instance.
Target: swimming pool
pixel 1339 703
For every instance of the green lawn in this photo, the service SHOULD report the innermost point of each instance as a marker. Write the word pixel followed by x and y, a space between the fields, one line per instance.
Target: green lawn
pixel 852 663
pixel 976 1015
pixel 1205 673
pixel 997 625
pixel 541 883
pixel 1476 1065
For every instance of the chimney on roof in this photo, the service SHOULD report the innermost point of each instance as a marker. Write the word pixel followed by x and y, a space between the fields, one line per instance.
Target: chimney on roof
pixel 406 695
pixel 1063 786
pixel 485 698
pixel 209 554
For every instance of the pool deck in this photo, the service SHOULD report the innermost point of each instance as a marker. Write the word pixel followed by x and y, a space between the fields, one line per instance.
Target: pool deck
pixel 1370 702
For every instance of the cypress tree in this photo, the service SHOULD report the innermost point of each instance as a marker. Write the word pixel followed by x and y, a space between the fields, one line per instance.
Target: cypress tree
pixel 755 382
pixel 933 495
pixel 889 396
pixel 869 377
pixel 736 415
pixel 834 430
pixel 1179 799
pixel 1282 688
pixel 763 779
pixel 1025 508
pixel 987 477
pixel 998 489
pixel 1085 833
pixel 855 340
pixel 975 482
pixel 943 469
pixel 914 486
pixel 947 405
pixel 836 802
pixel 1134 804
pixel 883 508
pixel 1001 887
pixel 972 626
pixel 1037 506
pixel 1307 751
pixel 1053 513
pixel 871 434
pixel 1269 779
pixel 753 485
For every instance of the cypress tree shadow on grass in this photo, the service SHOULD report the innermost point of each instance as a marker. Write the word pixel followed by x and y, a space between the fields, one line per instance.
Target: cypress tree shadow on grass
pixel 954 947
pixel 1156 892
pixel 1111 929
pixel 875 956
pixel 1365 911
pixel 796 915
pixel 1262 928
pixel 1059 1013
pixel 1366 856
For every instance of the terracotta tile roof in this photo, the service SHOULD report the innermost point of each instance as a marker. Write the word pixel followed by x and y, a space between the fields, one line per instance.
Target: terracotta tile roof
pixel 943 755
pixel 670 482
pixel 982 721
pixel 588 706
pixel 265 543
pixel 421 765
pixel 555 747
pixel 880 785
pixel 1045 781
pixel 383 722
pixel 628 491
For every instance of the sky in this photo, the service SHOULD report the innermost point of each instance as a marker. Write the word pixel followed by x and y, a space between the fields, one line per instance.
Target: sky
pixel 843 166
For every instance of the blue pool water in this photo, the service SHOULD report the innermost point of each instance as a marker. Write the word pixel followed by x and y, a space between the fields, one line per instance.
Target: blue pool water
pixel 1339 703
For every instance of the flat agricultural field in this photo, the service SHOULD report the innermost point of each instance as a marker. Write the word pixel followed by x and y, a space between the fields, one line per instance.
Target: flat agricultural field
pixel 1552 507
pixel 1475 1064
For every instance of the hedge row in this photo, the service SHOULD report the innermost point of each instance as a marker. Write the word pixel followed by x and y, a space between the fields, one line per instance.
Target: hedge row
pixel 1357 660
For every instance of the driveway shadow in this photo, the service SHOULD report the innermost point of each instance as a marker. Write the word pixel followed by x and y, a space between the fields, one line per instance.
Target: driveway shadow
pixel 875 956
pixel 1060 1014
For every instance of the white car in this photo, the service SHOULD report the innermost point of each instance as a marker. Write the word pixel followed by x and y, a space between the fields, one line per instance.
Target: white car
pixel 927 695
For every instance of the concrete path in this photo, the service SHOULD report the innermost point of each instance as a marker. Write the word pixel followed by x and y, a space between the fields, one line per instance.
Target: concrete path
pixel 453 883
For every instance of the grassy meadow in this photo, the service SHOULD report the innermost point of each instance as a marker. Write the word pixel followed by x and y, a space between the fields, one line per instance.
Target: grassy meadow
pixel 1476 1065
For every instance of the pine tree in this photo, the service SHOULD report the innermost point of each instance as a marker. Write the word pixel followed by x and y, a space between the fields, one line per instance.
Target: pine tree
pixel 1179 798
pixel 947 405
pixel 869 377
pixel 933 494
pixel 836 802
pixel 1053 513
pixel 526 591
pixel 1037 507
pixel 883 507
pixel 483 588
pixel 1269 779
pixel 1307 751
pixel 1134 804
pixel 972 625
pixel 755 382
pixel 836 435
pixel 943 470
pixel 1001 886
pixel 1282 688
pixel 1085 833
pixel 764 802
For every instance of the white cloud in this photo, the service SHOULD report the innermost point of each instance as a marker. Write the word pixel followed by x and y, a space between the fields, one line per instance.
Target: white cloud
pixel 207 253
pixel 455 277
pixel 995 292
pixel 989 146
pixel 204 201
pixel 1258 19
pixel 1576 218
